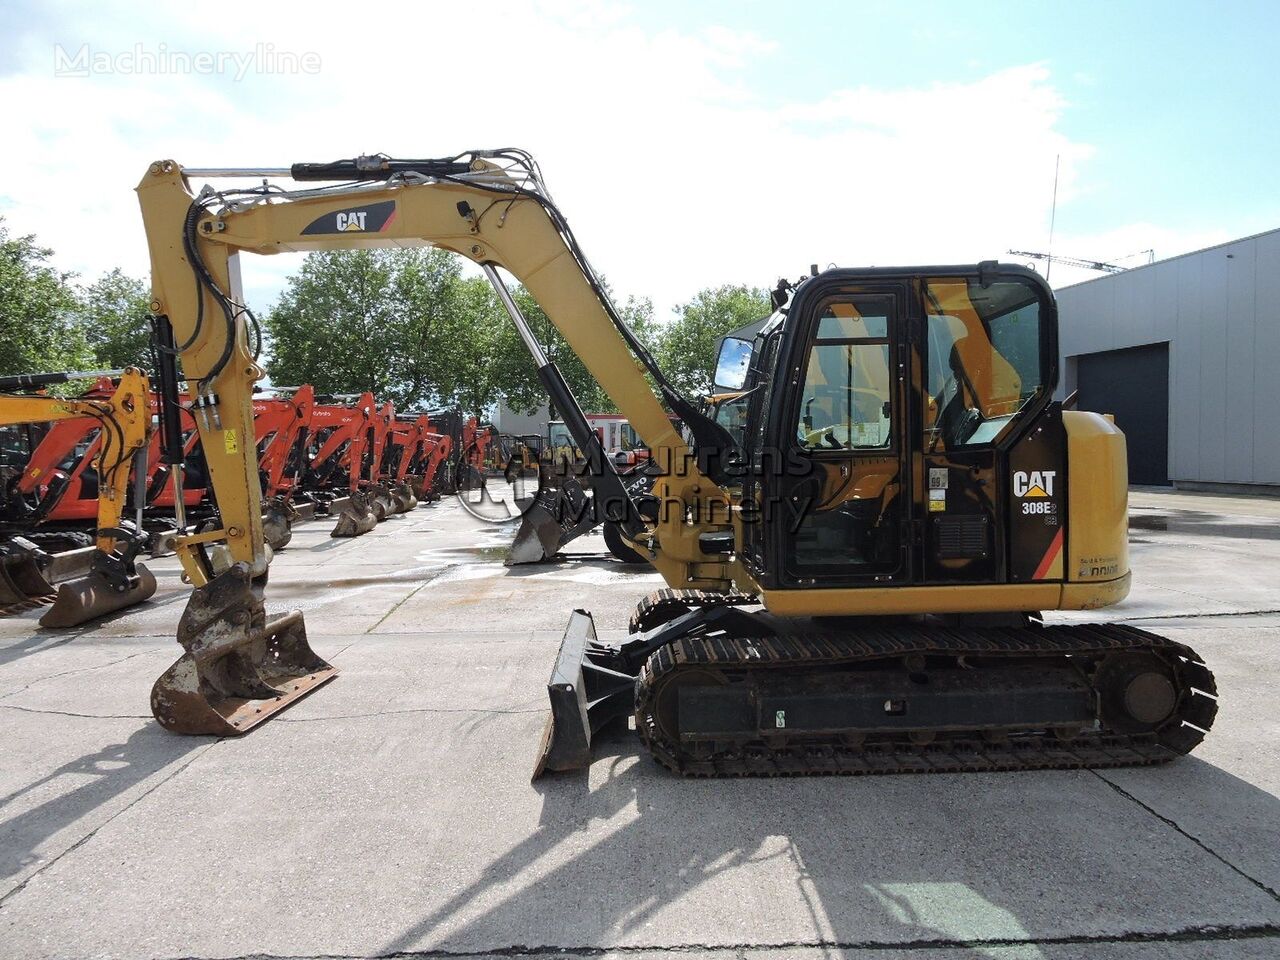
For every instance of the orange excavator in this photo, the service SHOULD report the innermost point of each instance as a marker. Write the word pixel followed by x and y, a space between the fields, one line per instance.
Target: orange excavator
pixel 379 466
pixel 282 425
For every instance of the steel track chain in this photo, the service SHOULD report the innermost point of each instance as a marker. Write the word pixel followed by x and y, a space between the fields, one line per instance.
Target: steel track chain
pixel 665 604
pixel 972 751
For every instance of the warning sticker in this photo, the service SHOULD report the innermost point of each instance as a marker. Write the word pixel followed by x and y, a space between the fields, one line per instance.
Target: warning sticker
pixel 230 441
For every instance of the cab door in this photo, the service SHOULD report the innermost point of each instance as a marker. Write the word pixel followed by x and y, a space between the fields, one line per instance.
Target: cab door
pixel 842 500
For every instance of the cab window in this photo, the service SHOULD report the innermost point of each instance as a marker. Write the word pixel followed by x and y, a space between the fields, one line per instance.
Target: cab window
pixel 985 361
pixel 846 402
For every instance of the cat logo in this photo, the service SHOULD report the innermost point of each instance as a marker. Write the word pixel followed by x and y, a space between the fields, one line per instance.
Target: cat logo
pixel 370 218
pixel 1037 483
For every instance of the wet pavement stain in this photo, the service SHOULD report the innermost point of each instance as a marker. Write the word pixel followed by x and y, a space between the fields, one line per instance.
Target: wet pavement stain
pixel 1196 524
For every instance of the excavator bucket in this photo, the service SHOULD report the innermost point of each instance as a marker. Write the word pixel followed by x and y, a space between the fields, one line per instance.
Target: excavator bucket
pixel 382 503
pixel 404 497
pixel 277 522
pixel 95 595
pixel 559 513
pixel 586 693
pixel 69 564
pixel 238 668
pixel 21 579
pixel 357 517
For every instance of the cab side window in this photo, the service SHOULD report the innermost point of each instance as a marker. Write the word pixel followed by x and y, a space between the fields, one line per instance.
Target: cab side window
pixel 846 403
pixel 984 359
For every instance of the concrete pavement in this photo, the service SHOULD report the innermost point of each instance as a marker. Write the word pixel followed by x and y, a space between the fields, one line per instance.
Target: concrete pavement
pixel 391 813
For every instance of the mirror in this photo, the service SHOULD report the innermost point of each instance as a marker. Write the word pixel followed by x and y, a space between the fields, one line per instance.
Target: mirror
pixel 732 364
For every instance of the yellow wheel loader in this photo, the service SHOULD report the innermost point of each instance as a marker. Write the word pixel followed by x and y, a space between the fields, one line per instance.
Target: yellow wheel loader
pixel 854 585
pixel 113 579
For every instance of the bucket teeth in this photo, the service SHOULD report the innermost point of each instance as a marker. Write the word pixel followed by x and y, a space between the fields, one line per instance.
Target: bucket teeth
pixel 238 668
pixel 93 595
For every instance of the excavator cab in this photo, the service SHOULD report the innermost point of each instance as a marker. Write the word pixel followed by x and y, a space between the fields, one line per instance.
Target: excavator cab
pixel 916 397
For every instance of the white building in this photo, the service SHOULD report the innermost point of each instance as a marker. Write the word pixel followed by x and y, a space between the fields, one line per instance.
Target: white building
pixel 1184 352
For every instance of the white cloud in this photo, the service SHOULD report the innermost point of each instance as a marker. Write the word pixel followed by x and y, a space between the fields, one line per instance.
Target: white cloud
pixel 675 173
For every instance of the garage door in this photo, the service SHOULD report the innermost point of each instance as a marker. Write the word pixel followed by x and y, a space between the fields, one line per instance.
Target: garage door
pixel 1133 384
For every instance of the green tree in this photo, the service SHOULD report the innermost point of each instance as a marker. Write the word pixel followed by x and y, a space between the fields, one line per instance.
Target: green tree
pixel 113 313
pixel 686 347
pixel 402 323
pixel 518 375
pixel 38 327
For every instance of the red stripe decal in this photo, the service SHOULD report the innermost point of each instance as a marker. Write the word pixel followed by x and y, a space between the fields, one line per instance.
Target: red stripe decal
pixel 1050 555
pixel 389 220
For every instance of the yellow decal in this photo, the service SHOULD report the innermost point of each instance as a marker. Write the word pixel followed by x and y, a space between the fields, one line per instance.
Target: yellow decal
pixel 1035 491
pixel 230 442
pixel 937 506
pixel 35 472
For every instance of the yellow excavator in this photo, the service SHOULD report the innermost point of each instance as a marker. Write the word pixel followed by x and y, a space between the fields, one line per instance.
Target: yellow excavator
pixel 113 580
pixel 854 585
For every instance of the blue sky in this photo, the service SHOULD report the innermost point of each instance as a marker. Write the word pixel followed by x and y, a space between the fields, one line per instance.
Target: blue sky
pixel 1180 99
pixel 690 144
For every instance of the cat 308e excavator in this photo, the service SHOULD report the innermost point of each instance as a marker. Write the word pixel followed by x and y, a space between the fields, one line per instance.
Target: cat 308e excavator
pixel 854 587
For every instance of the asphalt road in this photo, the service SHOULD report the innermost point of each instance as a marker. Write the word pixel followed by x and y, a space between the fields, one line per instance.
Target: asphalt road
pixel 391 812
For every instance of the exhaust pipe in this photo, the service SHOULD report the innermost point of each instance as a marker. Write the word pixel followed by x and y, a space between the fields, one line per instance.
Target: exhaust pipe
pixel 238 668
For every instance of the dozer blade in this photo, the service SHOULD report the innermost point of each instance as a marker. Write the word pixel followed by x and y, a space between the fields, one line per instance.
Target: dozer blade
pixel 356 518
pixel 557 515
pixel 93 595
pixel 585 694
pixel 21 579
pixel 239 669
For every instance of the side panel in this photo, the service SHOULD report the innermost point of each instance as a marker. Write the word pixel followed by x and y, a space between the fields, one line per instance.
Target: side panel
pixel 1036 497
pixel 1097 499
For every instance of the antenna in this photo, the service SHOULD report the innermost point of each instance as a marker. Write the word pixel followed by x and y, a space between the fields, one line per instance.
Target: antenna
pixel 1053 216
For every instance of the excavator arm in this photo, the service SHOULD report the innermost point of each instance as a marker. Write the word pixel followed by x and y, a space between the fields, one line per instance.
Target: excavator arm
pixel 124 423
pixel 488 207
